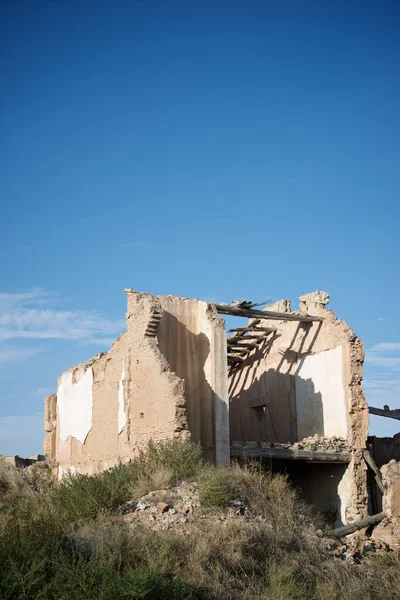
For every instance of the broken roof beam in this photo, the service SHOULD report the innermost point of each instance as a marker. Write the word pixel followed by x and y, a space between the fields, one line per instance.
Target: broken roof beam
pixel 385 412
pixel 254 328
pixel 250 313
pixel 237 337
pixel 235 359
pixel 235 345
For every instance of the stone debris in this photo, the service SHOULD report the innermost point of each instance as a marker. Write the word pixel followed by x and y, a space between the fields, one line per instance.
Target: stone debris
pixel 315 442
pixel 179 507
pixel 175 508
pixel 354 549
pixel 319 442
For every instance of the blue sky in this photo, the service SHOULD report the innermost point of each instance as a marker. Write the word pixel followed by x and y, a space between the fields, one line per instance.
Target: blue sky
pixel 214 150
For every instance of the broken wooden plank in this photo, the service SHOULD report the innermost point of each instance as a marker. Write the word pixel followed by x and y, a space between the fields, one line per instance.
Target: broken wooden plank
pixel 372 465
pixel 229 309
pixel 352 527
pixel 259 451
pixel 385 412
pixel 240 345
pixel 249 336
pixel 253 328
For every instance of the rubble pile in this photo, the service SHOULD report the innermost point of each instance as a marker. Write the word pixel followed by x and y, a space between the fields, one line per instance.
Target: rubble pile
pixel 314 443
pixel 354 549
pixel 318 442
pixel 175 508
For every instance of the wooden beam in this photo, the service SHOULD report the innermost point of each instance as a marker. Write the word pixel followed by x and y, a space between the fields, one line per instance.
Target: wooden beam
pixel 238 450
pixel 250 313
pixel 382 412
pixel 372 465
pixel 348 529
pixel 235 344
pixel 255 328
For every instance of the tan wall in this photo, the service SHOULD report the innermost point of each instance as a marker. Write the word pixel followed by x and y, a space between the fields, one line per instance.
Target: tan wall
pixel 308 375
pixel 110 407
pixel 193 339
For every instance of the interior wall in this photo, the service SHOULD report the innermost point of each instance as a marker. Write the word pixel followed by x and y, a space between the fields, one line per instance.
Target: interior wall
pixel 320 396
pixel 192 338
pixel 326 486
pixel 302 375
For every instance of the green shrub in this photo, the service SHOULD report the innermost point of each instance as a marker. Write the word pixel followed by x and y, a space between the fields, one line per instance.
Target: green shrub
pixel 214 488
pixel 84 496
pixel 183 459
pixel 98 580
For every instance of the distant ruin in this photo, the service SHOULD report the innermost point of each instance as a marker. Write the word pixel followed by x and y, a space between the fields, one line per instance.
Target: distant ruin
pixel 286 388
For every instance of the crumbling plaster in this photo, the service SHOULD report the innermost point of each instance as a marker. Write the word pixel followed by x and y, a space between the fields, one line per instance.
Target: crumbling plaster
pixel 388 530
pixel 75 404
pixel 145 387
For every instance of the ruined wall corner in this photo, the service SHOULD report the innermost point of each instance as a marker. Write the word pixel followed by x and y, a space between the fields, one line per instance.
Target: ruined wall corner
pixel 314 302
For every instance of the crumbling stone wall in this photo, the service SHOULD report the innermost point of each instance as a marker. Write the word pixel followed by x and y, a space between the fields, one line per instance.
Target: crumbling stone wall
pixel 388 530
pixel 144 387
pixel 307 379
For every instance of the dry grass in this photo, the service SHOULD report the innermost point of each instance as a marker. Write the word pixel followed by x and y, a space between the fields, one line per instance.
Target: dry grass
pixel 214 488
pixel 70 543
pixel 13 487
pixel 159 479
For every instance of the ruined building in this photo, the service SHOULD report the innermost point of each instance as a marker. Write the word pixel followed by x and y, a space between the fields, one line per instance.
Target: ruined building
pixel 284 387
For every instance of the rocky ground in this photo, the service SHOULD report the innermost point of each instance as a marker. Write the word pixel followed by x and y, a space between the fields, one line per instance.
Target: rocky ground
pixel 178 508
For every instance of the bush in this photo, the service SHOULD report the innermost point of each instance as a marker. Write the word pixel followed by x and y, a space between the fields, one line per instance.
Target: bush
pixel 84 496
pixel 214 488
pixel 98 580
pixel 183 459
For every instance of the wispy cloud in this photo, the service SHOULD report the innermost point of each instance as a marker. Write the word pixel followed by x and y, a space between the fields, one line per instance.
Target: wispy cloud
pixel 35 315
pixel 13 354
pixel 385 354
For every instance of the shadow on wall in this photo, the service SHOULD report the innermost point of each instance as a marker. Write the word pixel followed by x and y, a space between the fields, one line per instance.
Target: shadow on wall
pixel 187 354
pixel 292 408
pixel 268 410
pixel 318 485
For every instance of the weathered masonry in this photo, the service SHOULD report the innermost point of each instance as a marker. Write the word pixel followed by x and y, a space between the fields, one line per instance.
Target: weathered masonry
pixel 164 378
pixel 284 387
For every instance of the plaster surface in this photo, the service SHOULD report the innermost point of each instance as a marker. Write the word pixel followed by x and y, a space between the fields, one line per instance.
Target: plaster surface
pixel 75 404
pixel 320 396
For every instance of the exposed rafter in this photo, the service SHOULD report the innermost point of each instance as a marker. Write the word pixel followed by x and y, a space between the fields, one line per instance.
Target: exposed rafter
pixel 385 412
pixel 245 340
pixel 238 311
